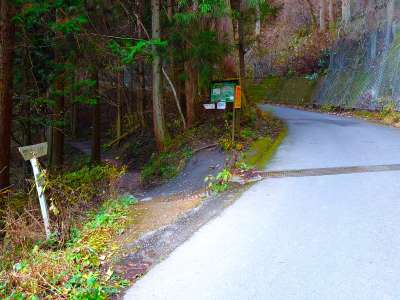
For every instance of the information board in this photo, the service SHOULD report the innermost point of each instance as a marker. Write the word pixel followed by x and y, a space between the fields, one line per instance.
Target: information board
pixel 223 91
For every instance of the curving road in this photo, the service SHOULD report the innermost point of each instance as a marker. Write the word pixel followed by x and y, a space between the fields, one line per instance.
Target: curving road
pixel 325 237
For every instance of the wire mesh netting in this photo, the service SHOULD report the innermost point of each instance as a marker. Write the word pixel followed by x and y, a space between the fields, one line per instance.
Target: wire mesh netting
pixel 364 69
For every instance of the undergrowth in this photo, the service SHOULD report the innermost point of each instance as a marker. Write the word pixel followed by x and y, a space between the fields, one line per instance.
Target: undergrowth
pixel 387 115
pixel 218 183
pixel 71 263
pixel 168 164
pixel 78 270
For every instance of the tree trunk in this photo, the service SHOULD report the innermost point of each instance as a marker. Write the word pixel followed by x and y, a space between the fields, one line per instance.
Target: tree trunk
pixel 312 14
pixel 141 89
pixel 346 11
pixel 26 112
pixel 258 20
pixel 190 93
pixel 26 105
pixel 7 40
pixel 75 110
pixel 58 134
pixel 158 110
pixel 331 14
pixel 170 9
pixel 226 35
pixel 96 123
pixel 322 15
pixel 118 124
pixel 241 50
pixel 58 113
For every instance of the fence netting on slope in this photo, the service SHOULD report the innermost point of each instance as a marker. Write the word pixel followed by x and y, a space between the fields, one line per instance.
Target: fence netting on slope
pixel 364 69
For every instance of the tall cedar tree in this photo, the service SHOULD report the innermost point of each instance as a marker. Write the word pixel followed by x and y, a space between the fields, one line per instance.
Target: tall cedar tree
pixel 158 110
pixel 7 40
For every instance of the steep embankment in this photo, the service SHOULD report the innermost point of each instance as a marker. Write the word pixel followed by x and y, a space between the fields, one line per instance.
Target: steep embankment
pixel 364 64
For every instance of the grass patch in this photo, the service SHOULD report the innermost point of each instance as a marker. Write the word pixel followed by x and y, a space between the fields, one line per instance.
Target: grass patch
pixel 262 150
pixel 165 165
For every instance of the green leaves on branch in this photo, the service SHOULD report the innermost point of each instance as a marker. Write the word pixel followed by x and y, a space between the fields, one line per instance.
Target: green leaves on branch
pixel 37 12
pixel 128 51
pixel 70 25
pixel 204 8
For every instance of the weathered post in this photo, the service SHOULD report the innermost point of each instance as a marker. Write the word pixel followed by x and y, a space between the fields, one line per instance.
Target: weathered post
pixel 32 153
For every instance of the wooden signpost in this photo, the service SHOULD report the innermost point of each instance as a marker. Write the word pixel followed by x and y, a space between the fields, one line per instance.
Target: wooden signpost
pixel 223 92
pixel 32 153
pixel 237 104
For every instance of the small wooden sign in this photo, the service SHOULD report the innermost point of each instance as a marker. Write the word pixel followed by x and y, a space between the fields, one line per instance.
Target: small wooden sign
pixel 209 105
pixel 34 151
pixel 238 97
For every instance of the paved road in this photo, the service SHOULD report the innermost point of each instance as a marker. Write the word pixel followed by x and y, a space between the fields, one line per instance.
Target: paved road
pixel 329 237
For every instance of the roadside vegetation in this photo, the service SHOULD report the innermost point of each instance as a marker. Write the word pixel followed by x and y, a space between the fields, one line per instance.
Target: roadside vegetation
pixel 292 90
pixel 86 217
pixel 253 149
pixel 388 114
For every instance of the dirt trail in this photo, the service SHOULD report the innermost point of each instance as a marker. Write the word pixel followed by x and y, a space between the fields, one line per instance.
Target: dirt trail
pixel 191 179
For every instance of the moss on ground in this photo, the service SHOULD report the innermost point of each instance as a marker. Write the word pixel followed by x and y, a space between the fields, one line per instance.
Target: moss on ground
pixel 263 149
pixel 286 90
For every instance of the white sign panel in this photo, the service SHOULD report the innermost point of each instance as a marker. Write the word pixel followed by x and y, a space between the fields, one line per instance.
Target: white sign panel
pixel 209 105
pixel 34 151
pixel 221 105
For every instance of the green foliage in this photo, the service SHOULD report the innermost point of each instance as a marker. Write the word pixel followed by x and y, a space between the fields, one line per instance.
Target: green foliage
pixel 80 185
pixel 327 107
pixel 165 165
pixel 206 8
pixel 75 272
pixel 72 25
pixel 219 183
pixel 200 47
pixel 248 133
pixel 206 51
pixel 129 51
pixel 111 212
pixel 88 175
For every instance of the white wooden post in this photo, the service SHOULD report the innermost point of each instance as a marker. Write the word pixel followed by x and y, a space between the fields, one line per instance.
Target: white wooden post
pixel 42 198
pixel 32 153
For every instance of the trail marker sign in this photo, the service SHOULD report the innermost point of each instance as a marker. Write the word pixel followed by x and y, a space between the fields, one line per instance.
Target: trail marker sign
pixel 238 97
pixel 32 153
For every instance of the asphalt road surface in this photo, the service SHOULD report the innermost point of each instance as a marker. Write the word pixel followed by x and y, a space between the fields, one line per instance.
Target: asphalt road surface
pixel 324 237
